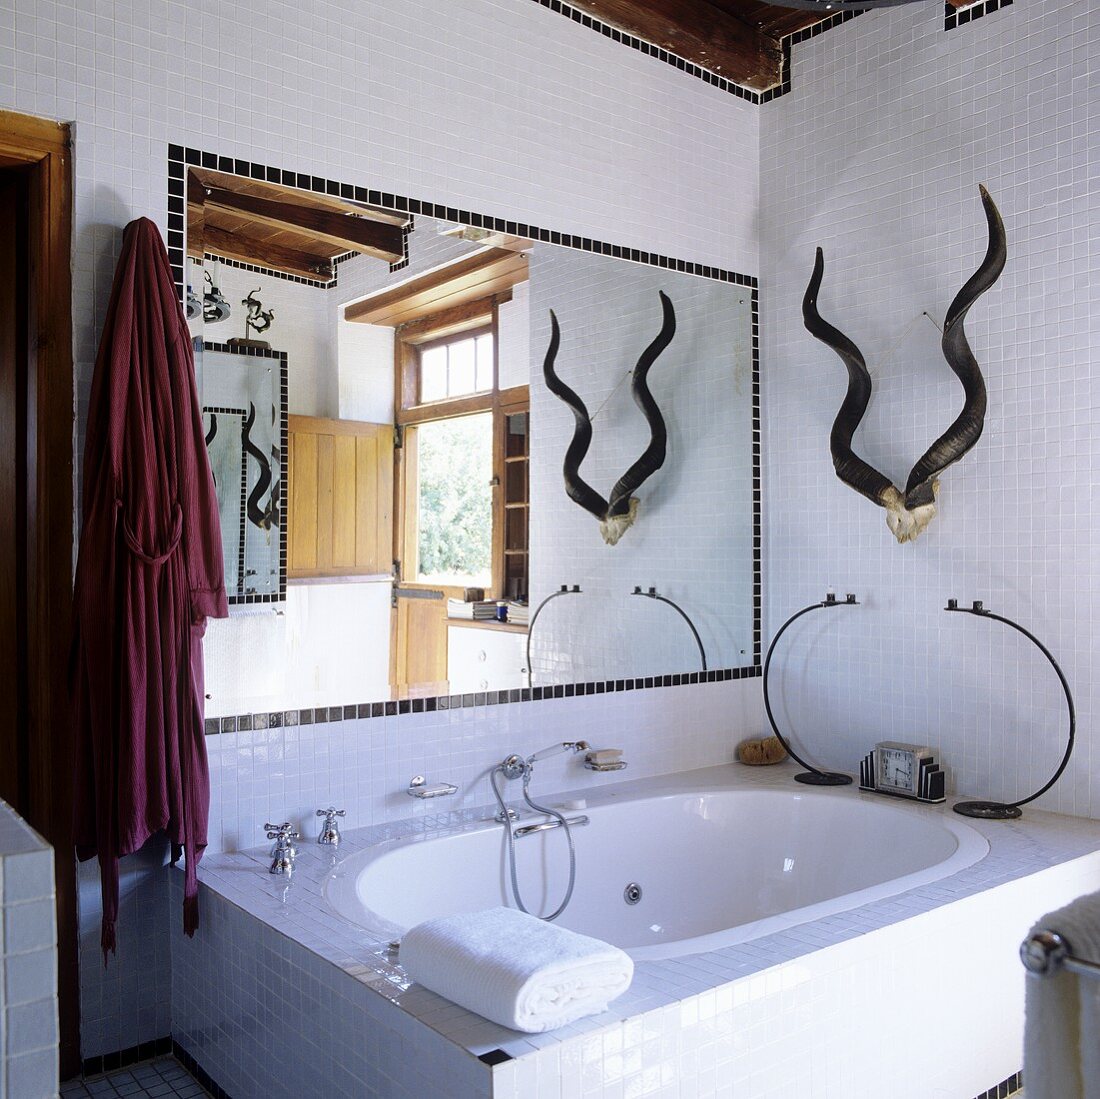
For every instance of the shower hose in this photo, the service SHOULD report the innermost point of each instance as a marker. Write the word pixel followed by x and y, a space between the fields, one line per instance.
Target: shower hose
pixel 512 841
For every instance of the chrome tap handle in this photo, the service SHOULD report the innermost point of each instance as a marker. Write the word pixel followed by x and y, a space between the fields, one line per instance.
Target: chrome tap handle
pixel 330 831
pixel 283 851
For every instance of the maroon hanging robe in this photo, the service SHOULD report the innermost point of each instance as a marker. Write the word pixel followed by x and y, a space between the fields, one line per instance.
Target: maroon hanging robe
pixel 149 572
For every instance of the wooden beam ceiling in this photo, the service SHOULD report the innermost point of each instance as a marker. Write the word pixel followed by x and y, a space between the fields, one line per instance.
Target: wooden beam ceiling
pixel 738 39
pixel 473 277
pixel 283 228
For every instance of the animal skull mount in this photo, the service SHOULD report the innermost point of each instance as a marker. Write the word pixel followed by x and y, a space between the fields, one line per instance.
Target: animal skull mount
pixel 909 513
pixel 617 514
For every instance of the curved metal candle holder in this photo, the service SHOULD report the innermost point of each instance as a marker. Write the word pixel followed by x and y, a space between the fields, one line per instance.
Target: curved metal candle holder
pixel 652 593
pixel 813 776
pixel 998 810
pixel 565 589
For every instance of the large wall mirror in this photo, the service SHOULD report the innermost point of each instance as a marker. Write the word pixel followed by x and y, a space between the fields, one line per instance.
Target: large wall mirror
pixel 427 539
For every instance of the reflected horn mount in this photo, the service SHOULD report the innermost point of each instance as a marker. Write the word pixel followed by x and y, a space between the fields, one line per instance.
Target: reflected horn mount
pixel 617 514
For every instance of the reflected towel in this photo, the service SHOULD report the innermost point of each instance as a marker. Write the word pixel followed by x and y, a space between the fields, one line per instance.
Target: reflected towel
pixel 516 969
pixel 1062 1034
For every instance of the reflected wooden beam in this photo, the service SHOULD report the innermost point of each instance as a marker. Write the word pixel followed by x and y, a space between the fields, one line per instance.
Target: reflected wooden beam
pixel 697 31
pixel 487 271
pixel 245 249
pixel 344 231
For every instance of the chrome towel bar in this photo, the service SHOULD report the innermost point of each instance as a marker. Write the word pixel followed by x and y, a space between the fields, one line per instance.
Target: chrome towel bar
pixel 1046 952
pixel 530 829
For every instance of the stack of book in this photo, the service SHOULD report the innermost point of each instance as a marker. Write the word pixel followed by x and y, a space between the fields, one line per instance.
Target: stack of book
pixel 480 610
pixel 519 613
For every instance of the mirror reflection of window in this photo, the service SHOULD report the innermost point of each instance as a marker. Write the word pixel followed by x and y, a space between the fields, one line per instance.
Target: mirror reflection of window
pixel 454 500
pixel 456 368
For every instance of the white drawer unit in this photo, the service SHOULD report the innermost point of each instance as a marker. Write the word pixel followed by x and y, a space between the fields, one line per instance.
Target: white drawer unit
pixel 484 658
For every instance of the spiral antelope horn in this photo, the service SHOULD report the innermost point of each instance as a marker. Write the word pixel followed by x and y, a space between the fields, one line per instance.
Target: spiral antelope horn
pixel 850 467
pixel 653 457
pixel 967 427
pixel 576 488
pixel 618 515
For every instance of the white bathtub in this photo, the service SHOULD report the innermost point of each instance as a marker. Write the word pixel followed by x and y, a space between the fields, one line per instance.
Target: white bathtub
pixel 716 867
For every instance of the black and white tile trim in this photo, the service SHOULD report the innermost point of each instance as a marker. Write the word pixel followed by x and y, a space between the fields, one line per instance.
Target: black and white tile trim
pixel 953 17
pixel 1013 1084
pixel 179 158
pixel 690 67
pixel 273 719
pixel 271 273
pixel 957 17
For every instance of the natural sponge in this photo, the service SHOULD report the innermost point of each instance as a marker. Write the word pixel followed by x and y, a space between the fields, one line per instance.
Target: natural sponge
pixel 758 753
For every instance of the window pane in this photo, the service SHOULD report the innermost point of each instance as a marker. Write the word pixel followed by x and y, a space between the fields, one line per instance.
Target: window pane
pixel 462 375
pixel 433 374
pixel 455 461
pixel 485 362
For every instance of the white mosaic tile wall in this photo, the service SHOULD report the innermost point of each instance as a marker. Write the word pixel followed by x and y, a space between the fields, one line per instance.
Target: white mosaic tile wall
pixel 28 962
pixel 876 155
pixel 365 766
pixel 498 106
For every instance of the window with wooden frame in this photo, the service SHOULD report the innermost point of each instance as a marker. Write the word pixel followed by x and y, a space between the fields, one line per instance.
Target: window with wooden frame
pixel 461 489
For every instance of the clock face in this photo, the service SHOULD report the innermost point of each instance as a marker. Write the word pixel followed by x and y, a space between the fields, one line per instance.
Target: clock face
pixel 897 770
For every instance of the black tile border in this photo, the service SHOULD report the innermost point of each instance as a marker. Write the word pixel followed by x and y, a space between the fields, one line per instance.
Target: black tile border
pixel 124 1058
pixel 271 273
pixel 1011 1084
pixel 240 598
pixel 958 17
pixel 199 1073
pixel 575 15
pixel 953 17
pixel 181 157
pixel 749 95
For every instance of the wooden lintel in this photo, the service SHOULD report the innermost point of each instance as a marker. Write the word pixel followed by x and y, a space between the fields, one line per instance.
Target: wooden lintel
pixel 345 231
pixel 484 272
pixel 698 31
pixel 246 249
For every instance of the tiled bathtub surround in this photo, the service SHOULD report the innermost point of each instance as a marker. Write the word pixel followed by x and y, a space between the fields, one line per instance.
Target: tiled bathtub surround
pixel 28 962
pixel 792 1013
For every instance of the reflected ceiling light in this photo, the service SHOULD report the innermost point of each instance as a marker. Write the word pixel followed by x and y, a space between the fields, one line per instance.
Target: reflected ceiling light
pixel 842 5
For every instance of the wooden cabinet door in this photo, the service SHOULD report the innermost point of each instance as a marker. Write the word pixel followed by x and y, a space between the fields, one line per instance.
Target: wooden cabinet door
pixel 419 649
pixel 340 513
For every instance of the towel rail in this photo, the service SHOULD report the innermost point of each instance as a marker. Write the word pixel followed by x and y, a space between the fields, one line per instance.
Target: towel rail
pixel 1046 952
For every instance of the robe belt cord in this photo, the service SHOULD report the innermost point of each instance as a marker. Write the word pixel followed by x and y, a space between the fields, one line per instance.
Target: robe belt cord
pixel 173 540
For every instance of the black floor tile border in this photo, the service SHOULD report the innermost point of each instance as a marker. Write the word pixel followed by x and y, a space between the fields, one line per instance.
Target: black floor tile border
pixel 123 1058
pixel 180 158
pixel 199 1073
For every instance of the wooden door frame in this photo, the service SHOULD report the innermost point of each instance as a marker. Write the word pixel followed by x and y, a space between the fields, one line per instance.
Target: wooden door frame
pixel 42 148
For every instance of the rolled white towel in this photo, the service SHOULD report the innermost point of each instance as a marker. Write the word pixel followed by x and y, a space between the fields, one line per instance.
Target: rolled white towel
pixel 516 969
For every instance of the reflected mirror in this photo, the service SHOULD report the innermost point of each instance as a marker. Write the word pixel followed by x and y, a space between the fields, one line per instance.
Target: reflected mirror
pixel 244 422
pixel 430 522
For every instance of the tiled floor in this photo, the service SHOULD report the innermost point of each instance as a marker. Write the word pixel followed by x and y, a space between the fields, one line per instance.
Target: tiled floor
pixel 164 1078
